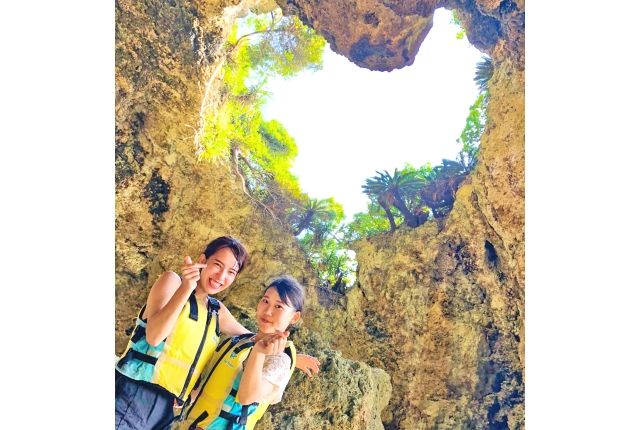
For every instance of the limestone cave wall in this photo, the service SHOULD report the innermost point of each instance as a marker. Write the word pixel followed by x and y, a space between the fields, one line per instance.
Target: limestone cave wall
pixel 433 334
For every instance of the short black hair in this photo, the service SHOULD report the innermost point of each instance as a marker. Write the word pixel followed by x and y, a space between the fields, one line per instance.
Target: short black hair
pixel 289 290
pixel 238 249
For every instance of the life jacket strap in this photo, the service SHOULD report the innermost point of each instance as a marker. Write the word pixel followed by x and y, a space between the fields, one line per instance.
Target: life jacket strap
pixel 138 333
pixel 132 354
pixel 142 312
pixel 200 418
pixel 238 338
pixel 193 307
pixel 214 304
pixel 242 347
pixel 236 419
pixel 214 307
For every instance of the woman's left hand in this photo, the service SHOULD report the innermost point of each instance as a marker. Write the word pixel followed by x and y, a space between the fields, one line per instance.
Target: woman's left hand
pixel 308 364
pixel 272 343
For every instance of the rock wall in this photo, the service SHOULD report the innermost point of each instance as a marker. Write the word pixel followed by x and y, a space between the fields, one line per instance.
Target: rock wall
pixel 441 307
pixel 169 204
pixel 438 312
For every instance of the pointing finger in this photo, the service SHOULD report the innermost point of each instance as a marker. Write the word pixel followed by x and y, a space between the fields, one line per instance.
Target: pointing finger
pixel 194 266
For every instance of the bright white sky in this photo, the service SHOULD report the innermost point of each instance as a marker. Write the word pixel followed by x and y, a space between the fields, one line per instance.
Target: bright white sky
pixel 349 122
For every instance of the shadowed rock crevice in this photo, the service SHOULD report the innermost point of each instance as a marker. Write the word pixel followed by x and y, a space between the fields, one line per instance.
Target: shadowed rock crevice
pixel 130 154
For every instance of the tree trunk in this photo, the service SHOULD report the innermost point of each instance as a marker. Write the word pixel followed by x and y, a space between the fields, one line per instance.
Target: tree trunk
pixel 409 219
pixel 389 216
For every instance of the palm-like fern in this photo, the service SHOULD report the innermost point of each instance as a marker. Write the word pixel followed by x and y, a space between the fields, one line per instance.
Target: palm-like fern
pixel 313 209
pixel 447 169
pixel 439 191
pixel 392 190
pixel 484 72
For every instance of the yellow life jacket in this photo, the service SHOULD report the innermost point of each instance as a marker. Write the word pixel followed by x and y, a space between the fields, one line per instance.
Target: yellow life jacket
pixel 214 405
pixel 177 362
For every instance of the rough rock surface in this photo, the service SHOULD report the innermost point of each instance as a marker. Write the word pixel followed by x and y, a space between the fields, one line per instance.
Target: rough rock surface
pixel 376 34
pixel 169 204
pixel 440 309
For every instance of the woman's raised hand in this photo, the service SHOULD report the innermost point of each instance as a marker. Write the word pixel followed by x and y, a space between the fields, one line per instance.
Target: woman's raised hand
pixel 272 343
pixel 308 364
pixel 191 273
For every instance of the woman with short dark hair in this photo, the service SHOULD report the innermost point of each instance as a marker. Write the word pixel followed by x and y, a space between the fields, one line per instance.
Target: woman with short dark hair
pixel 175 335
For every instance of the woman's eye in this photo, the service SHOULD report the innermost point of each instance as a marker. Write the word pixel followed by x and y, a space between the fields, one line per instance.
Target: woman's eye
pixel 279 306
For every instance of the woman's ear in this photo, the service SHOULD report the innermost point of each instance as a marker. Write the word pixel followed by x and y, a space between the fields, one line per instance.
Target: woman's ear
pixel 202 259
pixel 295 318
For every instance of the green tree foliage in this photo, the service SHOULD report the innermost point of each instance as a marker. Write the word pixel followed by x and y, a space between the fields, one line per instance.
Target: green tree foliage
pixel 421 175
pixel 240 131
pixel 318 225
pixel 262 152
pixel 472 132
pixel 395 190
pixel 446 169
pixel 368 224
pixel 276 153
pixel 412 194
pixel 455 19
pixel 319 216
pixel 334 264
pixel 285 46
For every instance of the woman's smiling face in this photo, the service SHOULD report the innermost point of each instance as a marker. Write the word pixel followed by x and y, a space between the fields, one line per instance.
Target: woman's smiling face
pixel 274 313
pixel 221 271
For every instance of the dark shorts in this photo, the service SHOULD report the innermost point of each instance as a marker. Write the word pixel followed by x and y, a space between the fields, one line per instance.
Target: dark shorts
pixel 140 406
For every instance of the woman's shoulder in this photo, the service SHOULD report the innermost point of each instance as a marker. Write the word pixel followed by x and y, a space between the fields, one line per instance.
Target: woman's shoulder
pixel 277 363
pixel 277 371
pixel 166 284
pixel 172 275
pixel 168 278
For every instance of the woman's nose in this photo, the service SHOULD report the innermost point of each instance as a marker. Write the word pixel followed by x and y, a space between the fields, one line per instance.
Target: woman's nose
pixel 220 277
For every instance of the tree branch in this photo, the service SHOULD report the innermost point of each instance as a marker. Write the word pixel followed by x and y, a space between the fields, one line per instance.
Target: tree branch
pixel 275 30
pixel 236 155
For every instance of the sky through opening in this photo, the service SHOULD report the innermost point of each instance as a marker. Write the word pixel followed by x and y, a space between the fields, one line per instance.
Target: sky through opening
pixel 349 122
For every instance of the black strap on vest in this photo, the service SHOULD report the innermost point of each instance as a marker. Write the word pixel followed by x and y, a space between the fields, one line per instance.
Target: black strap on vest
pixel 142 312
pixel 138 333
pixel 236 419
pixel 243 347
pixel 200 418
pixel 214 304
pixel 193 307
pixel 132 354
pixel 244 414
pixel 135 324
pixel 214 307
pixel 229 343
pixel 240 337
pixel 223 343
